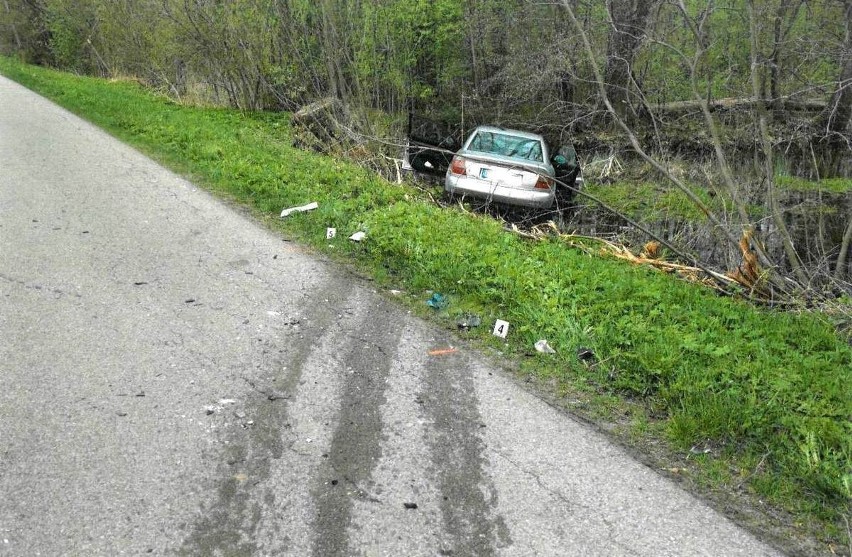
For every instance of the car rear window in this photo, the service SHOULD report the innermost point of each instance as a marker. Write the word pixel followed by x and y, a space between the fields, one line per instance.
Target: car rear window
pixel 507 145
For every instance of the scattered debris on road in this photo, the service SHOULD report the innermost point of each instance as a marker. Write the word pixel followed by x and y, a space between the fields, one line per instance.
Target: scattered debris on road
pixel 442 351
pixel 300 209
pixel 213 408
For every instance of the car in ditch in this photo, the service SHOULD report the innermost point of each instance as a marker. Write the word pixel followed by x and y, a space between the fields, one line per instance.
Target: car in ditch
pixel 511 167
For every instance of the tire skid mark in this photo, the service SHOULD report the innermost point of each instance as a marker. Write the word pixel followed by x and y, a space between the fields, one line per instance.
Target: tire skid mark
pixel 285 527
pixel 230 522
pixel 401 475
pixel 355 446
pixel 468 496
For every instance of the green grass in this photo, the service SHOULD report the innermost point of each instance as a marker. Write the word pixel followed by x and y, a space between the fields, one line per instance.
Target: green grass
pixel 828 185
pixel 647 201
pixel 660 202
pixel 769 391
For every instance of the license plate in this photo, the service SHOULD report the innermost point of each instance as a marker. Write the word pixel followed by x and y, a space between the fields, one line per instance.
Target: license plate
pixel 483 173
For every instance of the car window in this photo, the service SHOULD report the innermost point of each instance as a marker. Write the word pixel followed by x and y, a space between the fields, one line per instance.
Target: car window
pixel 507 145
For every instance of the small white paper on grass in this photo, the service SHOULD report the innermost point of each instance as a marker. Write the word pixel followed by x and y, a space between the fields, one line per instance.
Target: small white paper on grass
pixel 300 209
pixel 501 328
pixel 358 236
pixel 330 233
pixel 543 347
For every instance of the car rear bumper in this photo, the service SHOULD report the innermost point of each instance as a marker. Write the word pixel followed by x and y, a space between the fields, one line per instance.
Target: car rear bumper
pixel 474 187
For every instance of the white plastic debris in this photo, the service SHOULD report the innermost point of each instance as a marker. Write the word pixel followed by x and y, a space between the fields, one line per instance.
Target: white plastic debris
pixel 300 209
pixel 543 347
pixel 358 236
pixel 501 328
pixel 330 233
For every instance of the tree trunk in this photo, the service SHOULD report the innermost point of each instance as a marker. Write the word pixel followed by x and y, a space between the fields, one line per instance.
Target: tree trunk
pixel 845 245
pixel 768 169
pixel 785 17
pixel 18 44
pixel 628 21
pixel 835 118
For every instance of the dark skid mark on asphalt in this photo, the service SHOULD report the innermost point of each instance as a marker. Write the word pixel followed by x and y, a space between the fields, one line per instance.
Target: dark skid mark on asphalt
pixel 228 524
pixel 470 518
pixel 356 443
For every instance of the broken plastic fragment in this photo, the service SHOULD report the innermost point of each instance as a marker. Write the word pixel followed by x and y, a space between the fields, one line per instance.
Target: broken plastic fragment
pixel 468 321
pixel 586 355
pixel 358 236
pixel 443 351
pixel 543 347
pixel 300 209
pixel 438 301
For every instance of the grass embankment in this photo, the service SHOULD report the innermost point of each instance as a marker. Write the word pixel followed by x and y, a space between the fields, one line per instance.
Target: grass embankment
pixel 766 393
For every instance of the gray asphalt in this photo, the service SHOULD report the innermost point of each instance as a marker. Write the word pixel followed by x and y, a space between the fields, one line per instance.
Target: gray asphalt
pixel 177 380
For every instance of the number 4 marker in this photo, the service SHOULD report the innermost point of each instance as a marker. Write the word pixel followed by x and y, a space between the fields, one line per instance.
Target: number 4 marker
pixel 501 328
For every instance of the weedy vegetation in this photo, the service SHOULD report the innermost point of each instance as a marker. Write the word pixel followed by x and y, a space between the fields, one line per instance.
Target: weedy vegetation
pixel 756 401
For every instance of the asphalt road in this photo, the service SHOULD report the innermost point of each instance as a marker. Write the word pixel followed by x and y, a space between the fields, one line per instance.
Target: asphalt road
pixel 177 380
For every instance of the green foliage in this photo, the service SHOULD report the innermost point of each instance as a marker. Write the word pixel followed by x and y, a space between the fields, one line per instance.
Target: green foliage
pixel 263 53
pixel 764 387
pixel 71 30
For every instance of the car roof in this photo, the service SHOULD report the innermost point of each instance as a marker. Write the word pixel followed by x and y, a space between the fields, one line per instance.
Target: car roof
pixel 518 133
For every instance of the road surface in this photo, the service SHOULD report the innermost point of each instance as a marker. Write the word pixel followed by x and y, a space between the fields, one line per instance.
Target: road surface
pixel 177 380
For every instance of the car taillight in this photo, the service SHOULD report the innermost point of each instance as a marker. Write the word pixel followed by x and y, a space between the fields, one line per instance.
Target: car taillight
pixel 543 183
pixel 458 166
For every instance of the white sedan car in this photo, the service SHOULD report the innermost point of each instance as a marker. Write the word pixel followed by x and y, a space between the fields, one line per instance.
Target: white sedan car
pixel 506 166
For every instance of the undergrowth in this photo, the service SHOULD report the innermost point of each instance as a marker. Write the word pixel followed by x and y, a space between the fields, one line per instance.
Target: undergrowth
pixel 766 393
pixel 827 185
pixel 652 201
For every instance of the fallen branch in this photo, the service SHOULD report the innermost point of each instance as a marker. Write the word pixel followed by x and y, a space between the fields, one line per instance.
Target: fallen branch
pixel 748 275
